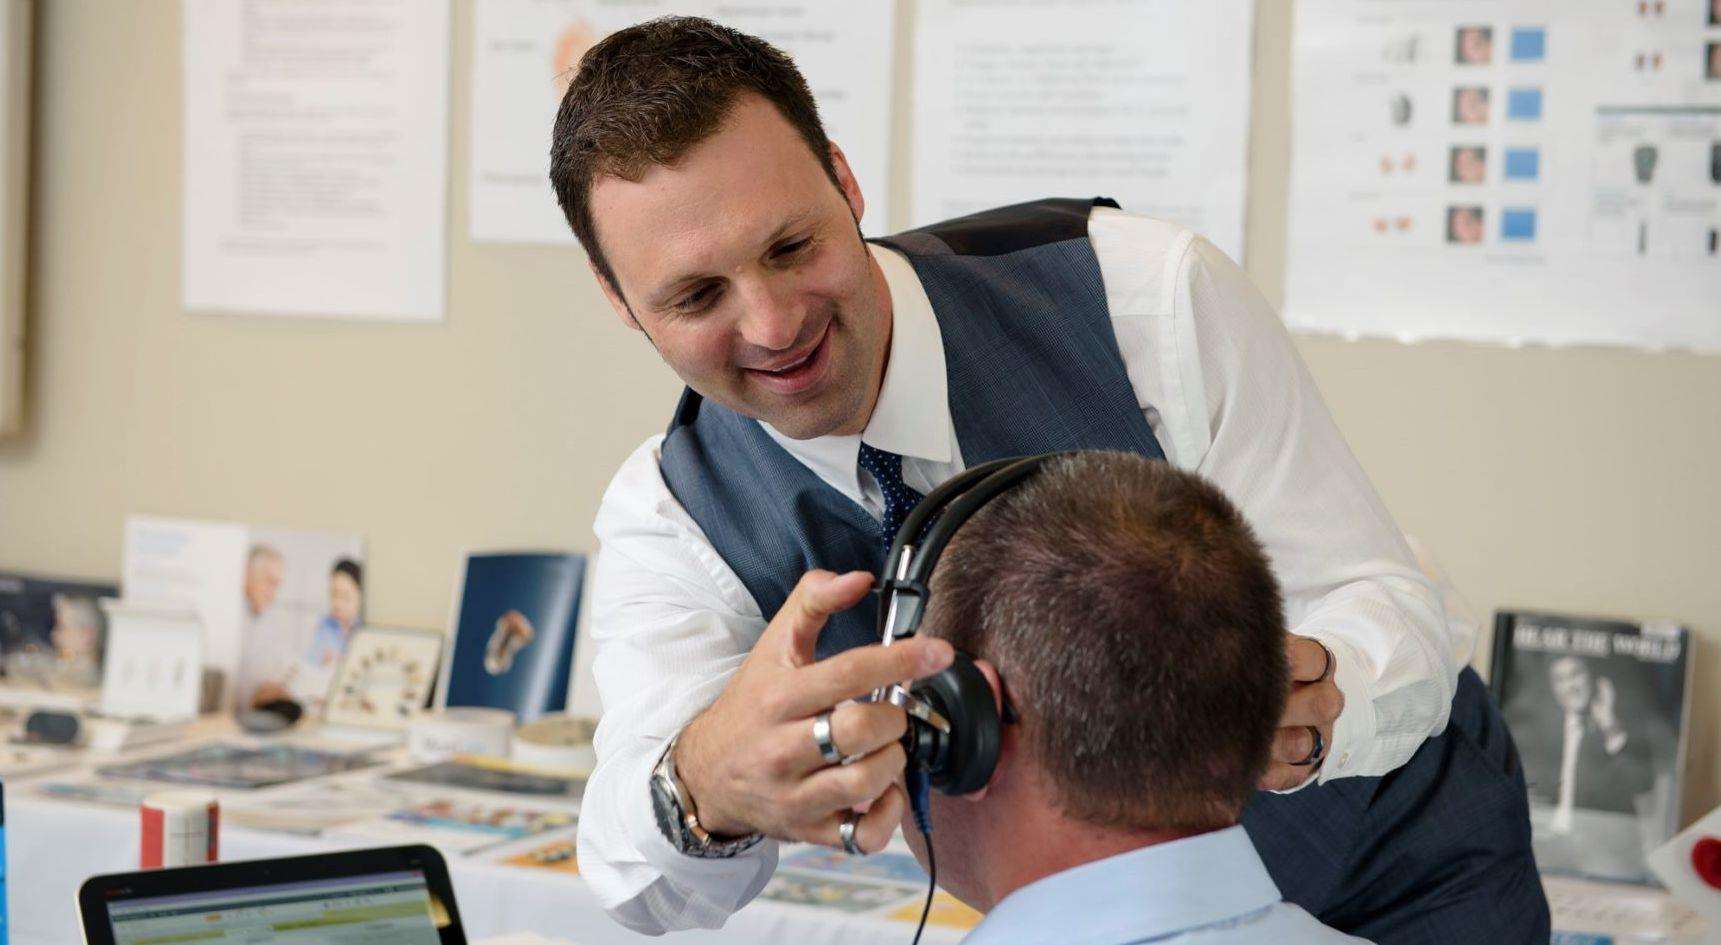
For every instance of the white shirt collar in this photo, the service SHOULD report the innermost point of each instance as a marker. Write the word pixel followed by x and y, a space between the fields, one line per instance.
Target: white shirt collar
pixel 912 416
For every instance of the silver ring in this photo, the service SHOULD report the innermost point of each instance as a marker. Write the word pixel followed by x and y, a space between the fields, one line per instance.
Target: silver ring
pixel 851 820
pixel 1316 753
pixel 822 738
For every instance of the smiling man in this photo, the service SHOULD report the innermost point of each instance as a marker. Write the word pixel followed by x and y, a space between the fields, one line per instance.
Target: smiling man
pixel 833 381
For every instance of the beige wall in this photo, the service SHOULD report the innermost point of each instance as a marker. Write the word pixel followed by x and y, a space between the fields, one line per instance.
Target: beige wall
pixel 1580 480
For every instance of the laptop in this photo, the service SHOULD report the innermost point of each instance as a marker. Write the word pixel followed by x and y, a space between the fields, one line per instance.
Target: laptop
pixel 387 896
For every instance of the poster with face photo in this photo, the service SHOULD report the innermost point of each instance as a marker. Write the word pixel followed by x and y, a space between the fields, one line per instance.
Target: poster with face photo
pixel 304 595
pixel 1597 709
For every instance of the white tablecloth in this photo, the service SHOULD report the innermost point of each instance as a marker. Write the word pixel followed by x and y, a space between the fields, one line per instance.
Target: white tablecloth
pixel 54 845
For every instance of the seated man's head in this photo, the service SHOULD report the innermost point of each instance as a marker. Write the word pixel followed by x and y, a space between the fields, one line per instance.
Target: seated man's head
pixel 1130 618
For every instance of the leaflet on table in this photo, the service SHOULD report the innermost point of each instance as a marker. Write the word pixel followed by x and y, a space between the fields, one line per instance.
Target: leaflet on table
pixel 1586 913
pixel 557 856
pixel 524 52
pixel 459 826
pixel 239 766
pixel 315 159
pixel 317 806
pixel 1597 709
pixel 17 761
pixel 495 776
pixel 1507 171
pixel 1145 101
pixel 278 605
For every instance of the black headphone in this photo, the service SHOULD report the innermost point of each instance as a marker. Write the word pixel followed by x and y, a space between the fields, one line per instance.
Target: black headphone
pixel 955 729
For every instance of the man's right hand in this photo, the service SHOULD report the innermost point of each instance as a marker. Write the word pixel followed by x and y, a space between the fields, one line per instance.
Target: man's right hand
pixel 750 760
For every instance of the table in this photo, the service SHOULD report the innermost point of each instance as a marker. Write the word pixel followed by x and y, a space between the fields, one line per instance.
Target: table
pixel 54 845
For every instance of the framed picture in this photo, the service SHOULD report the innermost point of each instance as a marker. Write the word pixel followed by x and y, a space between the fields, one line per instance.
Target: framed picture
pixel 52 634
pixel 15 29
pixel 1597 709
pixel 385 678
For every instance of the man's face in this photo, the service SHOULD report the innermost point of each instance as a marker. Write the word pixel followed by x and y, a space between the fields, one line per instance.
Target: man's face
pixel 1571 683
pixel 262 583
pixel 744 266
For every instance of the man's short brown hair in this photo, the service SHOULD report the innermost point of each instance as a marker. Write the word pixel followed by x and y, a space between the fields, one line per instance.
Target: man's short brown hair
pixel 1139 633
pixel 645 95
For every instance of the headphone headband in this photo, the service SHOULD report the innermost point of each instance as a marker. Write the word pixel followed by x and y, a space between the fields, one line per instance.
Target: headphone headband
pixel 945 509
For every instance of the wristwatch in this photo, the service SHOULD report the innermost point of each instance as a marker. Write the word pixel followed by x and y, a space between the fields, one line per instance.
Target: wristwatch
pixel 679 821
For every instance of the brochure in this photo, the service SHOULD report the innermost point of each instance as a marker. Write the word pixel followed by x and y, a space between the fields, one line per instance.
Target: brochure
pixel 1597 708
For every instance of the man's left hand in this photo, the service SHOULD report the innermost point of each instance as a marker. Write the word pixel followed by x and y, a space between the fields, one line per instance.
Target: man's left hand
pixel 1315 701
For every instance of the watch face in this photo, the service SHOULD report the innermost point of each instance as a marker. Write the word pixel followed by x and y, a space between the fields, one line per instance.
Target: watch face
pixel 668 813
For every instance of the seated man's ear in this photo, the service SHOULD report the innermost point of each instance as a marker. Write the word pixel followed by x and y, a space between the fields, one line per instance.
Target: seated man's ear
pixel 1006 737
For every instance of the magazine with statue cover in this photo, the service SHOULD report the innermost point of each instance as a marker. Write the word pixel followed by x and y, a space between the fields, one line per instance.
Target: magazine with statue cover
pixel 513 637
pixel 1597 708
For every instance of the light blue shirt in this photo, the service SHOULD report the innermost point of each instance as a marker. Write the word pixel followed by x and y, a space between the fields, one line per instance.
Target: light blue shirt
pixel 1210 889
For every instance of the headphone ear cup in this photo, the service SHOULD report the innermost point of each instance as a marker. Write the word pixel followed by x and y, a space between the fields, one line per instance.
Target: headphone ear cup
pixel 969 754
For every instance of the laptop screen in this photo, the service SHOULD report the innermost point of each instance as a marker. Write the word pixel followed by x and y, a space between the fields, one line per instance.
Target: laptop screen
pixel 394 908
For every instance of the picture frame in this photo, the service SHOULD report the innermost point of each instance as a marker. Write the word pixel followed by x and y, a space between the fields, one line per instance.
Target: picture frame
pixel 16 25
pixel 386 677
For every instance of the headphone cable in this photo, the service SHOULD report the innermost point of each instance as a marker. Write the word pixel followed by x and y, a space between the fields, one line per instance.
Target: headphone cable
pixel 931 884
pixel 919 800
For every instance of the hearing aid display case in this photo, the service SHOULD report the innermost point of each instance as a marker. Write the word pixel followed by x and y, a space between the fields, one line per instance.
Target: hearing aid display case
pixel 154 664
pixel 385 678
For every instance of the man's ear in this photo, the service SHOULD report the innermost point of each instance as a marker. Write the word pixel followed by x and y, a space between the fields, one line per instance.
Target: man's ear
pixel 846 182
pixel 1006 737
pixel 614 295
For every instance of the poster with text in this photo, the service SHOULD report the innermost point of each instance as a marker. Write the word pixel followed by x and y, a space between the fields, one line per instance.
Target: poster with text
pixel 1144 101
pixel 524 53
pixel 316 157
pixel 1509 171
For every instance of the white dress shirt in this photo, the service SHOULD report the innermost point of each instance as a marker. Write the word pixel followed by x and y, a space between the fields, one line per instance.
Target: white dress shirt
pixel 1210 889
pixel 1228 398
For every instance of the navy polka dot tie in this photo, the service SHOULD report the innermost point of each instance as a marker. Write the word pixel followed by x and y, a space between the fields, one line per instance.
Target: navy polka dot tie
pixel 899 499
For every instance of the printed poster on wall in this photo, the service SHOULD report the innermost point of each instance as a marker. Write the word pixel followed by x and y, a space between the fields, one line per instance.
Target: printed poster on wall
pixel 1144 101
pixel 524 50
pixel 1541 171
pixel 316 157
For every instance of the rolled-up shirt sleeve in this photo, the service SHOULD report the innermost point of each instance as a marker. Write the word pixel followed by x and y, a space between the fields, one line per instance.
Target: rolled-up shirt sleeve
pixel 671 623
pixel 1349 578
pixel 1231 400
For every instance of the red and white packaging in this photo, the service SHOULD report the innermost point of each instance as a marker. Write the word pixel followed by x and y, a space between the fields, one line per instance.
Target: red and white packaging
pixel 180 828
